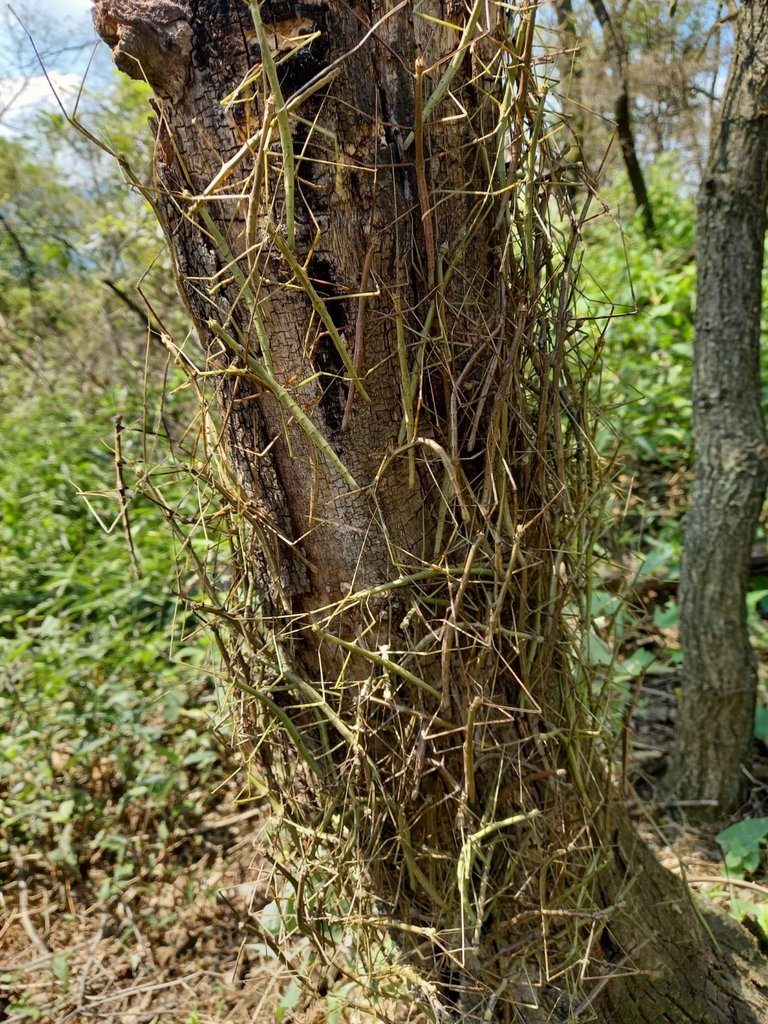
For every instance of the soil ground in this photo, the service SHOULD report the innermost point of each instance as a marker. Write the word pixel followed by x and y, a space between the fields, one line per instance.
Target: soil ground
pixel 171 948
pixel 186 943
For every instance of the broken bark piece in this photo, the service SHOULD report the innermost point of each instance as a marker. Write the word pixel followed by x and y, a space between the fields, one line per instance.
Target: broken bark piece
pixel 149 41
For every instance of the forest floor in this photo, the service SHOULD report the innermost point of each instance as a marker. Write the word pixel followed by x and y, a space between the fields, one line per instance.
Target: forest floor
pixel 171 948
pixel 191 941
pixel 187 945
pixel 186 942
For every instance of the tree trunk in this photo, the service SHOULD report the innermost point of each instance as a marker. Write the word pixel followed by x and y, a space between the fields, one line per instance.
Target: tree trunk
pixel 715 723
pixel 363 208
pixel 570 91
pixel 617 47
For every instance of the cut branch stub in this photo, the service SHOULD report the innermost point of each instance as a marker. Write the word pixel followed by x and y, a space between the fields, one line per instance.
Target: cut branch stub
pixel 150 40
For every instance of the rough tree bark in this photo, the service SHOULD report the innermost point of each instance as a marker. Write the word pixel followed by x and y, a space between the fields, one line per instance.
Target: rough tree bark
pixel 715 724
pixel 357 198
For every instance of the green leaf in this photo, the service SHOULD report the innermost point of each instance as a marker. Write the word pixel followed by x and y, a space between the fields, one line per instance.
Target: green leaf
pixel 662 556
pixel 60 968
pixel 742 844
pixel 64 812
pixel 741 908
pixel 761 723
pixel 667 617
pixel 597 650
pixel 24 1011
pixel 291 999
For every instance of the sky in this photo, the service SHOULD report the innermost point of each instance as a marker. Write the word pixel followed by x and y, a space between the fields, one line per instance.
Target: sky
pixel 63 34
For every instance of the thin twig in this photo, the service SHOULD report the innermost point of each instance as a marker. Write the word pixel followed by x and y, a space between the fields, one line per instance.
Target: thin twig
pixel 742 883
pixel 26 920
pixel 122 496
pixel 357 353
pixel 421 174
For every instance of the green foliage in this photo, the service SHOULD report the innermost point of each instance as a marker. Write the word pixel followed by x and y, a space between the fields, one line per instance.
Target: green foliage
pixel 104 695
pixel 761 724
pixel 74 243
pixel 646 290
pixel 648 293
pixel 755 915
pixel 743 845
pixel 642 292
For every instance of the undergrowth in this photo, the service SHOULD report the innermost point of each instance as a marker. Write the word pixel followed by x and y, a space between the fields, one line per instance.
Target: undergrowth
pixel 106 747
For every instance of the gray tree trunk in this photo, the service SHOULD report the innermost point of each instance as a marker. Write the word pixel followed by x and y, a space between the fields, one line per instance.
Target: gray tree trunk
pixel 358 207
pixel 715 725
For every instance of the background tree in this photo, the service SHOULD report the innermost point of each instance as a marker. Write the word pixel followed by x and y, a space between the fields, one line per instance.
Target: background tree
pixel 714 739
pixel 672 63
pixel 616 46
pixel 365 226
pixel 672 59
pixel 69 226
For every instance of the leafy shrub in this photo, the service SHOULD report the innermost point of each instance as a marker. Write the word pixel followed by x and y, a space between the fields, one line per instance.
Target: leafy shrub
pixel 105 699
pixel 645 385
